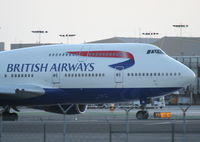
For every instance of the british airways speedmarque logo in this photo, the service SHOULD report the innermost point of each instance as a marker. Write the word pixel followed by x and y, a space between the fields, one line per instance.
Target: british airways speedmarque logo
pixel 110 54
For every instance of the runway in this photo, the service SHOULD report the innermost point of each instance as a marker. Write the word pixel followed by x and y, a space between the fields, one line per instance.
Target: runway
pixel 151 130
pixel 99 125
pixel 102 115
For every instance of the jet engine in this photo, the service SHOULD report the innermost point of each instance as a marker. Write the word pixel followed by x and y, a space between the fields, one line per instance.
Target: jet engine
pixel 75 109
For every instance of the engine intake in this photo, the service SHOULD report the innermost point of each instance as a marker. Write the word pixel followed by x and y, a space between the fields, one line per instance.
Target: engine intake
pixel 75 109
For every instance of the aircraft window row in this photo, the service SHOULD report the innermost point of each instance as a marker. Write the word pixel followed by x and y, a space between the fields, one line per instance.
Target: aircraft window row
pixel 118 74
pixel 84 75
pixel 19 75
pixel 60 54
pixel 104 54
pixel 154 74
pixel 89 54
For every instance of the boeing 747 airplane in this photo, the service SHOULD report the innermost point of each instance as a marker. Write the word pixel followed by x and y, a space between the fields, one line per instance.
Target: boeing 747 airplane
pixel 65 78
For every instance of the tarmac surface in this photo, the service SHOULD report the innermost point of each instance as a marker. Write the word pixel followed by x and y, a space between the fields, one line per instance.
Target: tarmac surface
pixel 102 126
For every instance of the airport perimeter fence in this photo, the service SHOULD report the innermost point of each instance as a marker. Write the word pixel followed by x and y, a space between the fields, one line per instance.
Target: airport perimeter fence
pixel 94 131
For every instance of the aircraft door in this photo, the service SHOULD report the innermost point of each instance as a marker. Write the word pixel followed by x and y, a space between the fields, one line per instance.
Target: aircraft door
pixel 55 79
pixel 119 76
pixel 83 54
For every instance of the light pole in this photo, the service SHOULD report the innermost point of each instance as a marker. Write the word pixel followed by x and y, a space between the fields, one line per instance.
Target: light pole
pixel 39 32
pixel 0 28
pixel 150 34
pixel 180 26
pixel 68 36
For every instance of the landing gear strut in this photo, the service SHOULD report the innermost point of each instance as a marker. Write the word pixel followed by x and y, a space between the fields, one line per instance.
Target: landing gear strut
pixel 7 116
pixel 142 114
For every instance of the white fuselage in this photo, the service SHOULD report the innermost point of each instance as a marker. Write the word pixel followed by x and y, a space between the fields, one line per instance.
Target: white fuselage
pixel 89 66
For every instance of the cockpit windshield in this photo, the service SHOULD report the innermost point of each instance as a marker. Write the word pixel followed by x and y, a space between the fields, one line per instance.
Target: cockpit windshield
pixel 155 51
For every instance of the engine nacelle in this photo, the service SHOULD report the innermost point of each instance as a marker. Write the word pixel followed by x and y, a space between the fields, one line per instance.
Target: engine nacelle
pixel 75 109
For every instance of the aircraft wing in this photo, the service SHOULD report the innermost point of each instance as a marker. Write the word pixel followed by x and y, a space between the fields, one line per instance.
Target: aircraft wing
pixel 20 91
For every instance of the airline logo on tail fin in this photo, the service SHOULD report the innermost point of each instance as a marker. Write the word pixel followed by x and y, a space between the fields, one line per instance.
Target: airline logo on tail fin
pixel 109 54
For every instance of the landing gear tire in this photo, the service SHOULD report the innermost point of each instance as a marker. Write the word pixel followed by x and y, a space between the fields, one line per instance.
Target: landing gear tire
pixel 9 116
pixel 141 115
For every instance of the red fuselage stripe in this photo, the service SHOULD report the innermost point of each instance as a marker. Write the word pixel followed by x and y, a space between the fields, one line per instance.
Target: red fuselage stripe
pixel 109 54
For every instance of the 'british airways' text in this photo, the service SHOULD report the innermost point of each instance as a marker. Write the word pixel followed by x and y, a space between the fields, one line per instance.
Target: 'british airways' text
pixel 54 67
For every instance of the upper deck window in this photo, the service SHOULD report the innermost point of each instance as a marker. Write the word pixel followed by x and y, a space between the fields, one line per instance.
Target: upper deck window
pixel 155 51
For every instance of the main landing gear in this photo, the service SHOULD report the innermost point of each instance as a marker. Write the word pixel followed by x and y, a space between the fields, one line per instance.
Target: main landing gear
pixel 142 114
pixel 7 115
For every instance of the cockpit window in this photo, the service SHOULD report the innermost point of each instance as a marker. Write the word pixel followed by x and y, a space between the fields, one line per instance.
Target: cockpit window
pixel 155 51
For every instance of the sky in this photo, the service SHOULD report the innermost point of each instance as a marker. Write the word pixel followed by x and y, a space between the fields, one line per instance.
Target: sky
pixel 95 19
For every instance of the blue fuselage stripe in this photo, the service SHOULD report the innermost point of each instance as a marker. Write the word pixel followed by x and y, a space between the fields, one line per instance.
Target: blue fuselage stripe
pixel 92 95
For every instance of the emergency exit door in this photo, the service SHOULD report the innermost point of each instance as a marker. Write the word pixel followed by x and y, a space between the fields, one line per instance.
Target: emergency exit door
pixel 119 77
pixel 55 76
pixel 83 54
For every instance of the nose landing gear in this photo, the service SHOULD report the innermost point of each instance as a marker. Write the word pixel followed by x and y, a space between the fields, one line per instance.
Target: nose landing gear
pixel 142 114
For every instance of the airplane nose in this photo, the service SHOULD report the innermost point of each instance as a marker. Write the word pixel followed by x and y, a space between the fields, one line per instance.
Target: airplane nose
pixel 189 76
